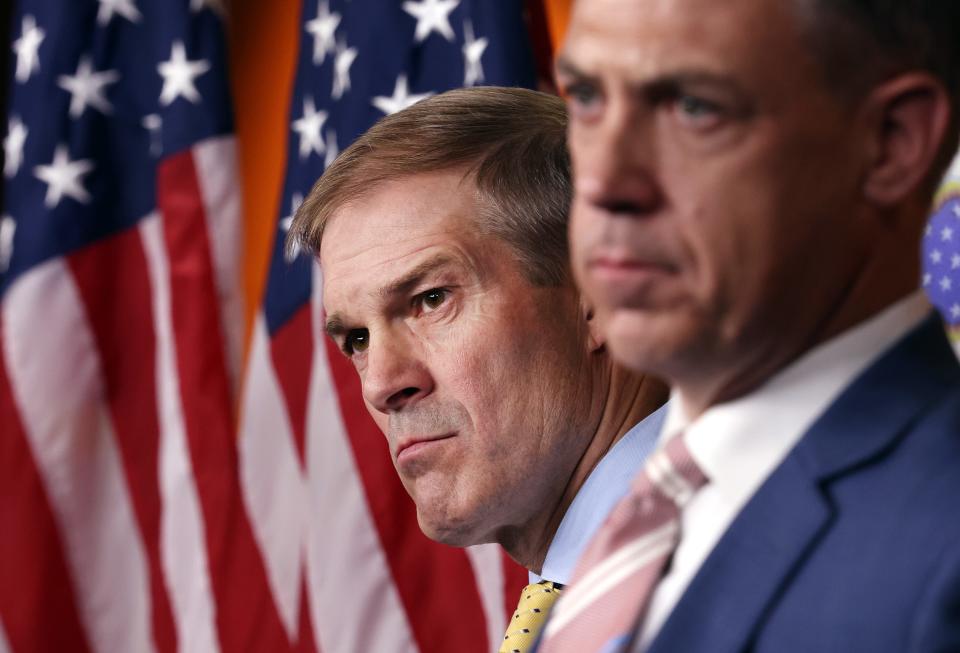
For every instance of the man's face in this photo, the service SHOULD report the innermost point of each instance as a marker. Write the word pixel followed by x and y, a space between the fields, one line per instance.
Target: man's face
pixel 478 379
pixel 716 217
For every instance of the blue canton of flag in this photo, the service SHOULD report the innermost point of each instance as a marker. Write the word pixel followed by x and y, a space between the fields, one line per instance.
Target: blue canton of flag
pixel 101 91
pixel 941 260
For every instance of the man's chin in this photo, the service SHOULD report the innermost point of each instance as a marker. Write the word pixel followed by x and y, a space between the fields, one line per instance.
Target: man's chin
pixel 459 531
pixel 629 338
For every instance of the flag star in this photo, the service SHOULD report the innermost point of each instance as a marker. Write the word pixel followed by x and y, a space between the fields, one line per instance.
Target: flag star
pixel 7 230
pixel 935 257
pixel 956 209
pixel 431 15
pixel 333 150
pixel 87 87
pixel 955 311
pixel 341 69
pixel 946 234
pixel 62 177
pixel 13 144
pixel 153 123
pixel 310 126
pixel 473 49
pixel 323 28
pixel 945 284
pixel 928 231
pixel 401 98
pixel 27 48
pixel 292 251
pixel 955 262
pixel 216 6
pixel 125 8
pixel 927 279
pixel 179 74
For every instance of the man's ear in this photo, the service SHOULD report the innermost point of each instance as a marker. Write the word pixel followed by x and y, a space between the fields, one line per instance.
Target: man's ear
pixel 595 338
pixel 911 113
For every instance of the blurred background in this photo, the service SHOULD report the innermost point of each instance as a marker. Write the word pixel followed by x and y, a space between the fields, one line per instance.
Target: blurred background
pixel 185 461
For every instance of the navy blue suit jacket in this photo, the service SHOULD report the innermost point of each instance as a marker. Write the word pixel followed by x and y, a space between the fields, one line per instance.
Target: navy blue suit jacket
pixel 853 543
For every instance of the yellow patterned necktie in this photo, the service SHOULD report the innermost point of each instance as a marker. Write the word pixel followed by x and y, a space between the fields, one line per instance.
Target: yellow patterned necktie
pixel 524 628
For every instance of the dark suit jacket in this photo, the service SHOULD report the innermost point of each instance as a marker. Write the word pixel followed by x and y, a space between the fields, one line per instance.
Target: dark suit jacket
pixel 853 543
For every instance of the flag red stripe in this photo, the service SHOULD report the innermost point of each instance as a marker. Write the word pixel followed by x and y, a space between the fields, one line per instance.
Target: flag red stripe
pixel 306 642
pixel 37 602
pixel 291 352
pixel 538 27
pixel 247 618
pixel 112 280
pixel 435 581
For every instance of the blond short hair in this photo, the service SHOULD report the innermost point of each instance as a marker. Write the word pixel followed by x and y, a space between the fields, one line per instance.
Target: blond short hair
pixel 512 141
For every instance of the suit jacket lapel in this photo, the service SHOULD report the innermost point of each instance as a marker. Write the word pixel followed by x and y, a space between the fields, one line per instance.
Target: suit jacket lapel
pixel 754 560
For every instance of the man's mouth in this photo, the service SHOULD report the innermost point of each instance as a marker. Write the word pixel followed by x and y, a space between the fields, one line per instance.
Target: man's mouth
pixel 412 446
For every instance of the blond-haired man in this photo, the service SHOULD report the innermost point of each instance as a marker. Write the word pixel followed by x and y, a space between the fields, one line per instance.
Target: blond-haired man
pixel 442 237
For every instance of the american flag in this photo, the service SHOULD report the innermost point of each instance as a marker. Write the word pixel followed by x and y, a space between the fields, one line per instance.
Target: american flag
pixel 319 478
pixel 122 518
pixel 137 513
pixel 941 252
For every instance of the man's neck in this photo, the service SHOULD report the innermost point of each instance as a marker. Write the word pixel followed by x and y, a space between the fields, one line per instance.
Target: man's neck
pixel 695 399
pixel 629 399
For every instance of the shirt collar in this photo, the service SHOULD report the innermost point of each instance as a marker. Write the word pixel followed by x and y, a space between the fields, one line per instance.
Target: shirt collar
pixel 605 486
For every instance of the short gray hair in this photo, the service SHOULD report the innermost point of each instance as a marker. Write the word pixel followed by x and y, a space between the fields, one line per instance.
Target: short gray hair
pixel 513 142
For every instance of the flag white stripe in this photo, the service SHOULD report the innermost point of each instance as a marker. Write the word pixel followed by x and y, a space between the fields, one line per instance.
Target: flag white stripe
pixel 274 489
pixel 57 382
pixel 487 563
pixel 183 549
pixel 215 160
pixel 626 561
pixel 4 644
pixel 348 573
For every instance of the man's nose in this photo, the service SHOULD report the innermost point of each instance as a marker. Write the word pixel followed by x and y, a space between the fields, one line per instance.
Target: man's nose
pixel 616 163
pixel 395 376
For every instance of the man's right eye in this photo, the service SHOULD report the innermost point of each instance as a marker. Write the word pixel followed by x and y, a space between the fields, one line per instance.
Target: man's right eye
pixel 582 99
pixel 356 341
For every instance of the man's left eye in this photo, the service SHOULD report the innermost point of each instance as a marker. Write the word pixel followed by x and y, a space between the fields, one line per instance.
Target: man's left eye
pixel 432 299
pixel 697 111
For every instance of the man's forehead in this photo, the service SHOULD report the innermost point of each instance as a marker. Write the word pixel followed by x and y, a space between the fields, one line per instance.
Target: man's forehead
pixel 395 222
pixel 381 269
pixel 646 38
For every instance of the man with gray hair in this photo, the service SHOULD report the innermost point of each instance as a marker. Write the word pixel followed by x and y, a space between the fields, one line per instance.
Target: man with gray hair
pixel 441 233
pixel 752 180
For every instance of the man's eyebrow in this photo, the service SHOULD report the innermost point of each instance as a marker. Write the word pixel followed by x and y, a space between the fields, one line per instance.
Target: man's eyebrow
pixel 336 324
pixel 666 81
pixel 565 67
pixel 404 284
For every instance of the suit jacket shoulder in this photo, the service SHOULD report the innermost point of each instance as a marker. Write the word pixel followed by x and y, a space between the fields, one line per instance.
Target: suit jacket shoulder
pixel 853 543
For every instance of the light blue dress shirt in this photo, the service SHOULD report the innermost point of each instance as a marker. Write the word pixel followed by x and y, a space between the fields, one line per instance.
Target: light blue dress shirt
pixel 607 484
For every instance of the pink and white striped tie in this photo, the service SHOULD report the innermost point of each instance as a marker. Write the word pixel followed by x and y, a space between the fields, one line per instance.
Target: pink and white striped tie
pixel 617 574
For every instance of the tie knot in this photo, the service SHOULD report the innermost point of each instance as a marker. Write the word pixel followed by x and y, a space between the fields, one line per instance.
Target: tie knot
pixel 526 623
pixel 673 472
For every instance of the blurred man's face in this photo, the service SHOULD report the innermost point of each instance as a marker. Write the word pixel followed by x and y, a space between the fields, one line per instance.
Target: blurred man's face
pixel 478 379
pixel 717 181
